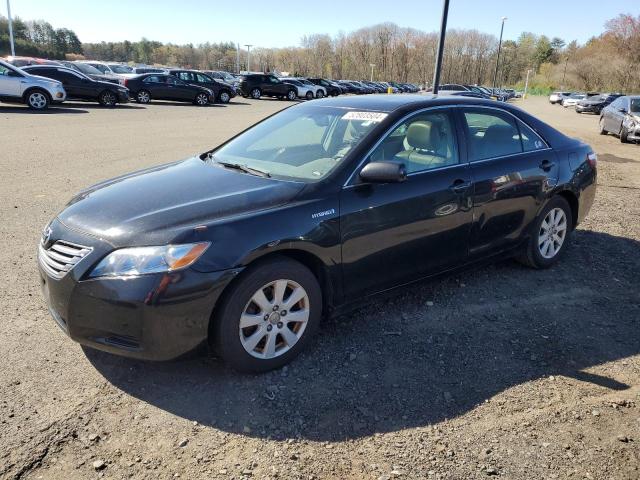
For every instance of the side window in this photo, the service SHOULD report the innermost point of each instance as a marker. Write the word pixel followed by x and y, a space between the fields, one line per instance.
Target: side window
pixel 530 140
pixel 186 76
pixel 66 77
pixel 202 78
pixel 100 67
pixel 423 142
pixel 153 79
pixel 617 103
pixel 4 70
pixel 171 80
pixel 491 135
pixel 273 80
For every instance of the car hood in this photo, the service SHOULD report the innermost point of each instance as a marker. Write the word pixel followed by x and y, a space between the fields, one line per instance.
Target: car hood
pixel 590 102
pixel 156 205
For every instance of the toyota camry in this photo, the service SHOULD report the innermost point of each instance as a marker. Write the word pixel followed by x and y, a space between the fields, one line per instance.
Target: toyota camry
pixel 246 247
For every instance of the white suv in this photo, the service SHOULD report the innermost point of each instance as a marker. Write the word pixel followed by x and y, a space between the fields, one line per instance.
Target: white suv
pixel 18 86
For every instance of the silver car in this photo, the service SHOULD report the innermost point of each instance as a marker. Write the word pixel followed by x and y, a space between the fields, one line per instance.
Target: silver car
pixel 304 91
pixel 17 86
pixel 622 118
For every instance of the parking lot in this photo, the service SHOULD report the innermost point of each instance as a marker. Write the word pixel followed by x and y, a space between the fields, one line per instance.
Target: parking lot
pixel 498 371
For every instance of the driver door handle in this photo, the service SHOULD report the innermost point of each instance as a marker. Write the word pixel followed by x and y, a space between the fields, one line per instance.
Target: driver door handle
pixel 460 186
pixel 546 165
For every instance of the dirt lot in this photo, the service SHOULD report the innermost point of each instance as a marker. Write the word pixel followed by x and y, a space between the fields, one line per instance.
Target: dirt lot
pixel 500 371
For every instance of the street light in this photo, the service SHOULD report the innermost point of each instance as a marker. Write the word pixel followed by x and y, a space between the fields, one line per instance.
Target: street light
pixel 443 31
pixel 13 48
pixel 526 84
pixel 495 75
pixel 372 65
pixel 248 58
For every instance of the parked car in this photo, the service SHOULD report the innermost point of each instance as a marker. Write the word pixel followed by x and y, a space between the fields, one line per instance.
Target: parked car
pixel 91 72
pixel 18 86
pixel 622 117
pixel 333 90
pixel 80 87
pixel 222 91
pixel 24 61
pixel 162 86
pixel 387 86
pixel 224 76
pixel 303 91
pixel 557 97
pixel 318 90
pixel 256 85
pixel 572 100
pixel 595 103
pixel 114 69
pixel 321 205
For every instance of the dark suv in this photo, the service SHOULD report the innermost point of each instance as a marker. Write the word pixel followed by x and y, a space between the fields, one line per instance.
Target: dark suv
pixel 222 91
pixel 256 85
pixel 162 86
pixel 332 89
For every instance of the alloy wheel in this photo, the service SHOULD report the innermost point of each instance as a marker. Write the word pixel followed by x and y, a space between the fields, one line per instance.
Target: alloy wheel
pixel 143 97
pixel 202 99
pixel 274 319
pixel 224 97
pixel 255 93
pixel 37 100
pixel 553 232
pixel 291 95
pixel 108 99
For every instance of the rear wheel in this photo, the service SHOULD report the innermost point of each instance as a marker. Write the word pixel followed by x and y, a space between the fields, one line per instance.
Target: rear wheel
pixel 603 131
pixel 256 93
pixel 201 99
pixel 309 95
pixel 292 95
pixel 268 317
pixel 550 234
pixel 37 100
pixel 107 99
pixel 143 96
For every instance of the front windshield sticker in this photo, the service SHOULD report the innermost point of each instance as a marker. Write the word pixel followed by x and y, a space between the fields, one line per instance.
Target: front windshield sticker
pixel 365 116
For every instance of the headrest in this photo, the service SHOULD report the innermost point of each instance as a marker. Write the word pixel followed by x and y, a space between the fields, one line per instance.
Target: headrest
pixel 421 135
pixel 499 133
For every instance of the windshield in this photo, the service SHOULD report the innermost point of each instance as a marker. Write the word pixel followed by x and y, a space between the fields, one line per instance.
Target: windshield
pixel 635 105
pixel 228 77
pixel 300 143
pixel 121 69
pixel 86 69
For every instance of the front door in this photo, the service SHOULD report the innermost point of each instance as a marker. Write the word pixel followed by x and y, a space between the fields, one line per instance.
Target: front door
pixel 512 170
pixel 398 232
pixel 10 85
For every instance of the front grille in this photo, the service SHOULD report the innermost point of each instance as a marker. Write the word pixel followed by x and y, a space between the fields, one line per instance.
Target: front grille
pixel 61 257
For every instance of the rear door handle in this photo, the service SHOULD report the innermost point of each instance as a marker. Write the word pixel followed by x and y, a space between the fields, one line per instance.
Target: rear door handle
pixel 546 165
pixel 460 186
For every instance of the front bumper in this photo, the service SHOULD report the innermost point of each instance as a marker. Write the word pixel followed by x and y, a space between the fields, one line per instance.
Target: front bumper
pixel 588 108
pixel 123 97
pixel 151 317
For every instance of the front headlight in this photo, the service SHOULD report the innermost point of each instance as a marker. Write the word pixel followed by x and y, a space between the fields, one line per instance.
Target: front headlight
pixel 143 260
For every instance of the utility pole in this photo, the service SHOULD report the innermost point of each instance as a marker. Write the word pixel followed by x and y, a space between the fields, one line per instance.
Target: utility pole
pixel 372 65
pixel 495 75
pixel 526 85
pixel 13 48
pixel 248 58
pixel 238 58
pixel 443 32
pixel 564 74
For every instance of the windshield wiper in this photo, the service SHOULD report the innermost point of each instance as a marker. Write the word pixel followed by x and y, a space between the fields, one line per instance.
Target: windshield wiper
pixel 243 168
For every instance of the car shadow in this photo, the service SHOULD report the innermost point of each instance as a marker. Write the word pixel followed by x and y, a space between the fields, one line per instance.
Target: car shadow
pixel 97 106
pixel 52 110
pixel 186 104
pixel 434 351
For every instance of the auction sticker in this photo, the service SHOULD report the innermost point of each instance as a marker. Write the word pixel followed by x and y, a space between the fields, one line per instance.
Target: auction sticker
pixel 365 116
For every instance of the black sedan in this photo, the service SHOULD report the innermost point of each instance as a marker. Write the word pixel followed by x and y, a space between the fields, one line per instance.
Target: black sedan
pixel 91 72
pixel 80 87
pixel 163 86
pixel 222 92
pixel 247 246
pixel 595 103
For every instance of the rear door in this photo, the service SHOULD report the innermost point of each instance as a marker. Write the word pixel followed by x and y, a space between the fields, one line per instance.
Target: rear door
pixel 180 90
pixel 512 170
pixel 157 86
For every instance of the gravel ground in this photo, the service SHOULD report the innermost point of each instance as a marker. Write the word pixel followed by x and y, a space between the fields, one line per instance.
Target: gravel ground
pixel 499 371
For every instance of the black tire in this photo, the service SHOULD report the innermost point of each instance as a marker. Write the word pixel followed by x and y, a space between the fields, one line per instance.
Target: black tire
pixel 143 96
pixel 624 135
pixel 292 95
pixel 201 99
pixel 108 99
pixel 224 96
pixel 531 256
pixel 225 329
pixel 309 95
pixel 603 131
pixel 256 93
pixel 37 99
pixel 320 94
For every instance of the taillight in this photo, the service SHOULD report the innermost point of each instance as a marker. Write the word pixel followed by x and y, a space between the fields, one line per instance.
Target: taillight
pixel 592 159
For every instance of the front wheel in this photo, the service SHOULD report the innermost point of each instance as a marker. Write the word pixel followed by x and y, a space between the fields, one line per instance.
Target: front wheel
pixel 224 97
pixel 603 131
pixel 268 317
pixel 38 100
pixel 107 99
pixel 309 95
pixel 320 94
pixel 550 234
pixel 202 99
pixel 292 95
pixel 624 135
pixel 143 96
pixel 256 94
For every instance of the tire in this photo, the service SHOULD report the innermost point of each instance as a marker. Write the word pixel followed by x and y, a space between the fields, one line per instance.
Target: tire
pixel 262 344
pixel 320 94
pixel 107 99
pixel 224 96
pixel 256 93
pixel 292 95
pixel 201 99
pixel 603 131
pixel 624 134
pixel 309 95
pixel 37 99
pixel 143 96
pixel 279 97
pixel 539 253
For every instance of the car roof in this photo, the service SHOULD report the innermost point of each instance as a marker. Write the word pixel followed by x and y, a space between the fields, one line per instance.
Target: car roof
pixel 388 103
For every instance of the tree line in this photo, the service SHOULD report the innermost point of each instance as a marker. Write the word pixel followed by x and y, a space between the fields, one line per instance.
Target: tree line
pixel 38 38
pixel 608 61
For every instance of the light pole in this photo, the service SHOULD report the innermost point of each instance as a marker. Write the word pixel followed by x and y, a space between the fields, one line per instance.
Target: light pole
pixel 238 58
pixel 372 65
pixel 13 48
pixel 526 85
pixel 248 58
pixel 443 32
pixel 495 75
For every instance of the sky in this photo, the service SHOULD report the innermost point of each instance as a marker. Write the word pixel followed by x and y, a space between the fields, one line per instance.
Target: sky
pixel 251 22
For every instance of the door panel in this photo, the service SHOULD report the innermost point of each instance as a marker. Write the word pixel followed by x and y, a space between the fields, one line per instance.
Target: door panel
pixel 9 84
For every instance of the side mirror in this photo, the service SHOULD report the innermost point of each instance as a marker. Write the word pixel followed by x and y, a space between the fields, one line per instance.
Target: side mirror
pixel 383 172
pixel 622 110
